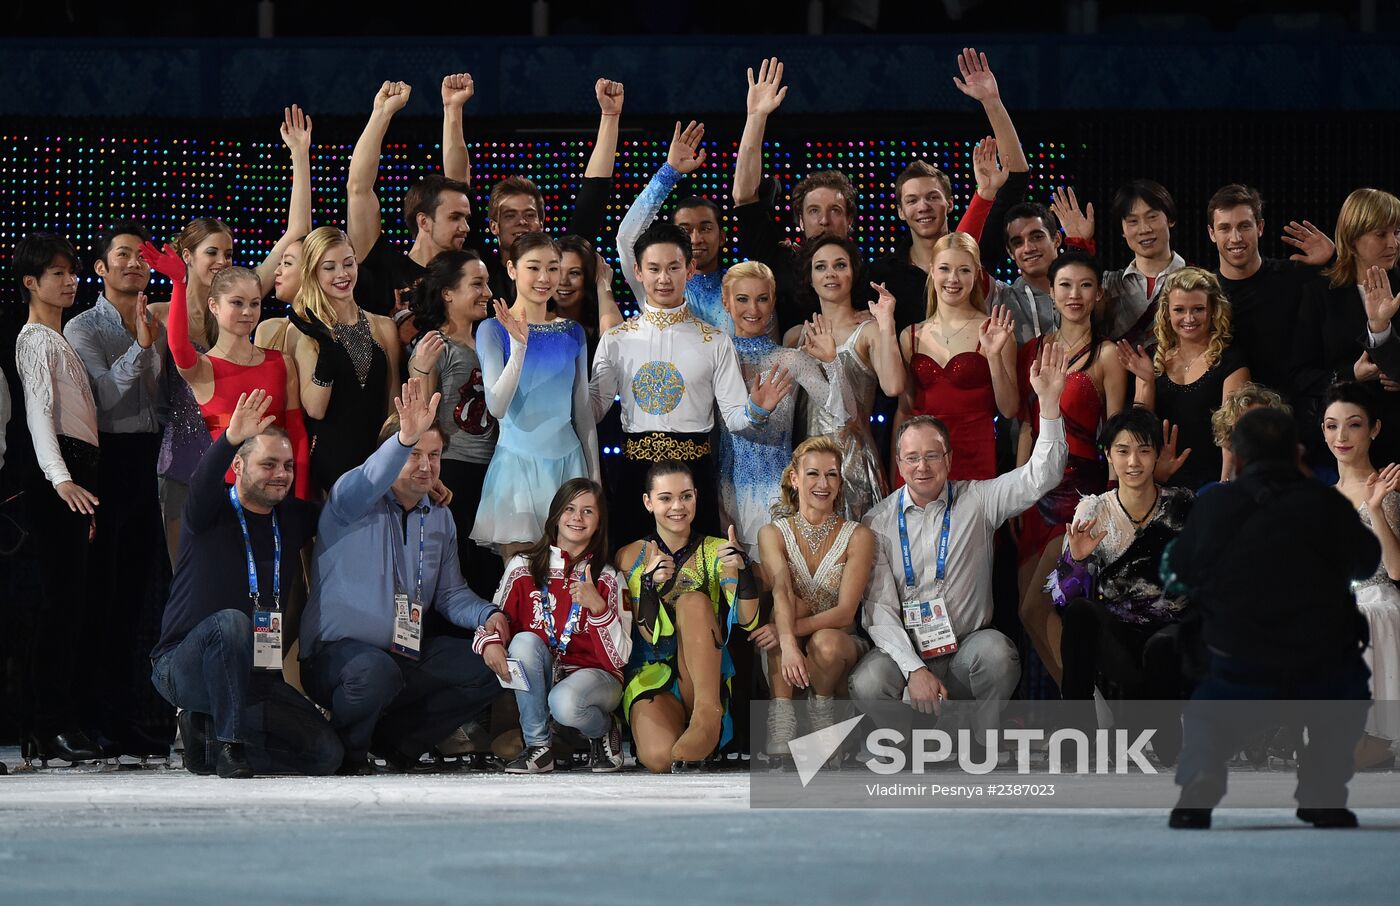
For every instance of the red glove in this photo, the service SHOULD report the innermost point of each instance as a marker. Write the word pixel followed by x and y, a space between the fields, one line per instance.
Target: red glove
pixel 166 261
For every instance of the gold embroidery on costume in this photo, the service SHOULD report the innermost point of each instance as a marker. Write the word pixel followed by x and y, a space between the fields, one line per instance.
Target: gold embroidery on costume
pixel 658 387
pixel 668 318
pixel 660 448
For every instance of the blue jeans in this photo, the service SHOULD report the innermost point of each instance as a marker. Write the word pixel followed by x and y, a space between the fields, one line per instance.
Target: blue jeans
pixel 211 672
pixel 1330 701
pixel 392 704
pixel 584 700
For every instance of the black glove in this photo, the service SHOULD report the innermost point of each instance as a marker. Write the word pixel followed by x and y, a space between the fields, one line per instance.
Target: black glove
pixel 332 360
pixel 649 605
pixel 748 588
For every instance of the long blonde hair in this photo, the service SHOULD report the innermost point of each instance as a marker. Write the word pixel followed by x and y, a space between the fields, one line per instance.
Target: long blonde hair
pixel 310 297
pixel 960 242
pixel 1363 211
pixel 1190 280
pixel 787 504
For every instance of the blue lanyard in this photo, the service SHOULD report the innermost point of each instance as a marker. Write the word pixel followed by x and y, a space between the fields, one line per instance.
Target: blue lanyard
pixel 422 532
pixel 253 589
pixel 559 645
pixel 909 580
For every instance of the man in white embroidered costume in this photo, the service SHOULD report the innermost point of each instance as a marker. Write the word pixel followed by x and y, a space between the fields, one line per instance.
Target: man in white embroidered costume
pixel 670 369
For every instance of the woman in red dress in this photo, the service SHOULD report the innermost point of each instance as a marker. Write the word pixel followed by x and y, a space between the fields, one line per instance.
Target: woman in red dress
pixel 1095 389
pixel 234 366
pixel 962 361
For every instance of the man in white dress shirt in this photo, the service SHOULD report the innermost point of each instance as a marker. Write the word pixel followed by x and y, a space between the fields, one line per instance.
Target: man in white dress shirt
pixel 934 547
pixel 670 370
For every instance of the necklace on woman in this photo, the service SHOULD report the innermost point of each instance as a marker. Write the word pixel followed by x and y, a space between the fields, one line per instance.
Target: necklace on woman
pixel 814 535
pixel 948 337
pixel 1189 365
pixel 1138 523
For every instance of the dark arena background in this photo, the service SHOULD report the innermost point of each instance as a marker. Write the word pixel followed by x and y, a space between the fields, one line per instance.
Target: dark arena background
pixel 100 124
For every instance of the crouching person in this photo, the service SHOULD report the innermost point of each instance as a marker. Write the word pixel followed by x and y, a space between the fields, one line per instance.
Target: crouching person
pixel 572 636
pixel 384 555
pixel 220 654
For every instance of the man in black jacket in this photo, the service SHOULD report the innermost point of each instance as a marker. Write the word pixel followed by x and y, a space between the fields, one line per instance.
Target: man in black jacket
pixel 1269 560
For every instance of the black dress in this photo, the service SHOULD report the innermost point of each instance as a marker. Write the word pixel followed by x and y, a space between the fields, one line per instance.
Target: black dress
pixel 1330 338
pixel 1189 407
pixel 349 432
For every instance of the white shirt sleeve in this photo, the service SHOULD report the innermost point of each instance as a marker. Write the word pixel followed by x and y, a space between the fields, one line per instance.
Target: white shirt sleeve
pixel 883 615
pixel 604 385
pixel 1012 493
pixel 37 368
pixel 730 392
pixel 585 425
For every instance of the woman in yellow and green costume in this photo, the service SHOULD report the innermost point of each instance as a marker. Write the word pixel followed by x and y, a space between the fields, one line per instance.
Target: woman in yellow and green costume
pixel 688 594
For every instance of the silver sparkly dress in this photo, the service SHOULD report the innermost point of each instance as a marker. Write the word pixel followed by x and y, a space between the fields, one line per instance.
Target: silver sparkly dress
pixel 863 479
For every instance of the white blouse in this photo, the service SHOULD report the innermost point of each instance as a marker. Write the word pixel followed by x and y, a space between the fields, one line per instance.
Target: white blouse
pixel 57 396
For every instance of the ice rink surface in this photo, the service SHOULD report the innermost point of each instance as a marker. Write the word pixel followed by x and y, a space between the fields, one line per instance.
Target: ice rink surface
pixel 166 836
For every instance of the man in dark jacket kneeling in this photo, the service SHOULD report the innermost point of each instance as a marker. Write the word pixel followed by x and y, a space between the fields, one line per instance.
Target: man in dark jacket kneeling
pixel 1269 560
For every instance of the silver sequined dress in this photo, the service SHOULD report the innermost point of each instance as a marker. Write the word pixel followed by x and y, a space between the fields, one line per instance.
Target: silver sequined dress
pixel 863 480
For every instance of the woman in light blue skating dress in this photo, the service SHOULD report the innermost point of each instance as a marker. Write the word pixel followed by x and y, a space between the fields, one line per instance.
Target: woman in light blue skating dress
pixel 535 371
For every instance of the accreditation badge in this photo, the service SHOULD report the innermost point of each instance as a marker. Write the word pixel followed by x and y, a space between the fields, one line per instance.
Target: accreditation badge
pixel 267 640
pixel 408 626
pixel 930 627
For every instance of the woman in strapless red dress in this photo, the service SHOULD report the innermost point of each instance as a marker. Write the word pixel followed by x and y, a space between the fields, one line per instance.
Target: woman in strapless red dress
pixel 1095 389
pixel 962 363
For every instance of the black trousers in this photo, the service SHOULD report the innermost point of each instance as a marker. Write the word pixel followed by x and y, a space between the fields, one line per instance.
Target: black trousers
pixel 122 573
pixel 1142 661
pixel 627 516
pixel 480 567
pixel 59 541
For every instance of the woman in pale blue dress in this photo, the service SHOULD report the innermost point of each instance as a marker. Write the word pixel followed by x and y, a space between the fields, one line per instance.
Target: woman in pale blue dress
pixel 535 370
pixel 752 463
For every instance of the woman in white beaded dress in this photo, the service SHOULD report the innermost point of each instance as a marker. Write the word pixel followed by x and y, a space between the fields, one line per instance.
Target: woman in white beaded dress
pixel 1349 425
pixel 752 464
pixel 818 564
pixel 868 350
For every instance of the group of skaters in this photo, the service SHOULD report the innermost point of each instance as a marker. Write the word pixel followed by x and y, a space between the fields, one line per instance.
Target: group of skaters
pixel 387 515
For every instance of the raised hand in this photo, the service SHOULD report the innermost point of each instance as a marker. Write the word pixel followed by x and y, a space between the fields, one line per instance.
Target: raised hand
pixel 78 498
pixel 732 554
pixel 660 567
pixel 1048 378
pixel 883 306
pixel 996 331
pixel 977 81
pixel 145 328
pixel 609 95
pixel 582 590
pixel 685 154
pixel 391 97
pixel 457 89
pixel 517 327
pixel 1084 537
pixel 766 92
pixel 1077 224
pixel 818 340
pixel 429 350
pixel 605 271
pixel 296 130
pixel 767 394
pixel 1169 461
pixel 1136 361
pixel 1380 304
pixel 167 261
pixel 1315 247
pixel 417 411
pixel 249 417
pixel 989 174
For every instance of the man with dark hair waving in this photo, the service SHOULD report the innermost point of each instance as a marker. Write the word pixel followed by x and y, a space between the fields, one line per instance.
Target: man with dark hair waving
pixel 219 657
pixel 382 549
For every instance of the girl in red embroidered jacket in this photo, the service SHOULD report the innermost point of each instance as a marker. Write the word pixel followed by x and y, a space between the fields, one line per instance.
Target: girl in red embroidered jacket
pixel 570 635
